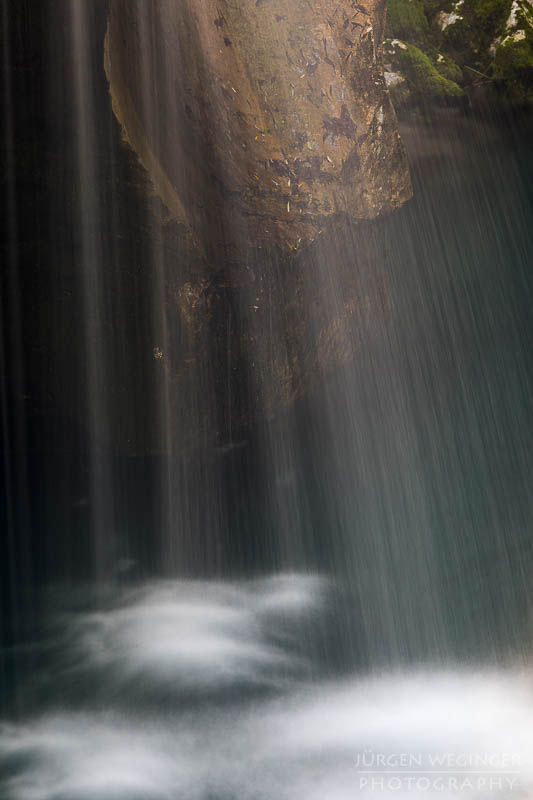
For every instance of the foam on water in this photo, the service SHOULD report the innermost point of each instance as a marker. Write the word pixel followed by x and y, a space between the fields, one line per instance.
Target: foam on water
pixel 456 728
pixel 195 635
pixel 449 732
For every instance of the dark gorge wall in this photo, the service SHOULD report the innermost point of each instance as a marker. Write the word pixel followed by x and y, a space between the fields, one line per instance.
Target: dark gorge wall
pixel 46 441
pixel 174 279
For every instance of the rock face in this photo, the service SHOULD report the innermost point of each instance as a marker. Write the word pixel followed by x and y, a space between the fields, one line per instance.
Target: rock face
pixel 260 124
pixel 258 120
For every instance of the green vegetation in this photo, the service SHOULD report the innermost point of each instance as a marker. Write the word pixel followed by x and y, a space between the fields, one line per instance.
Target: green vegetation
pixel 480 23
pixel 423 81
pixel 513 69
pixel 448 68
pixel 436 48
pixel 406 20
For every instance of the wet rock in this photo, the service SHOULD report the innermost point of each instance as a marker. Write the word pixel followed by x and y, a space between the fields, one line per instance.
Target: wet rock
pixel 265 130
pixel 257 121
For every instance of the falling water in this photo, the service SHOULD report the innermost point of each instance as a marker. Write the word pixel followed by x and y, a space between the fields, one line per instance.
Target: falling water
pixel 217 582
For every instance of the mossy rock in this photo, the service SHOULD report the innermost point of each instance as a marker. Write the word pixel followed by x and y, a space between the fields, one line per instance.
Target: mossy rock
pixel 432 7
pixel 513 67
pixel 406 20
pixel 447 67
pixel 469 38
pixel 445 44
pixel 423 82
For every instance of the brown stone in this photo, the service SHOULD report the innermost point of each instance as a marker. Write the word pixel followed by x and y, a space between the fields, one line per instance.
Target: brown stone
pixel 262 125
pixel 258 120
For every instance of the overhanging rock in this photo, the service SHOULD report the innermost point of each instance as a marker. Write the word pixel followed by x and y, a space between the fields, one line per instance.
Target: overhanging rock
pixel 258 120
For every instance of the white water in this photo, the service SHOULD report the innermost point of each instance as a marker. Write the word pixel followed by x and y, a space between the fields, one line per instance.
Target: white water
pixel 298 734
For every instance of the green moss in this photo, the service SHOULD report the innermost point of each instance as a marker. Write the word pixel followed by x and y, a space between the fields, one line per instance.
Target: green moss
pixel 513 68
pixel 447 67
pixel 469 39
pixel 436 62
pixel 423 81
pixel 513 62
pixel 406 20
pixel 432 7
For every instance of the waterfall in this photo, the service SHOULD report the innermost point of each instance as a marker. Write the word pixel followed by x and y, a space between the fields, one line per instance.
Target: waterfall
pixel 266 405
